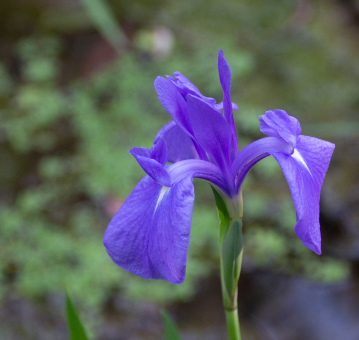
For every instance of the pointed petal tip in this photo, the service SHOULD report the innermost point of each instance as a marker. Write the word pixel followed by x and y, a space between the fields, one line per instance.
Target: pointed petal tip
pixel 315 248
pixel 157 80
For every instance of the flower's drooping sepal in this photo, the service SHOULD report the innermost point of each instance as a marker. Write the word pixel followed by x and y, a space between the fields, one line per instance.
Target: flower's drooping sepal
pixel 153 161
pixel 304 170
pixel 150 234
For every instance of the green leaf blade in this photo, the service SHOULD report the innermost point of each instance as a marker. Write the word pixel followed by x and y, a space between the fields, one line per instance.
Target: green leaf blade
pixel 104 20
pixel 231 250
pixel 76 329
pixel 171 330
pixel 222 213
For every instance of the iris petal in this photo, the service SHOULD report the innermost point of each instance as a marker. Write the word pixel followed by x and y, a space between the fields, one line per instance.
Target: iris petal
pixel 219 106
pixel 278 123
pixel 152 167
pixel 186 87
pixel 159 151
pixel 304 171
pixel 150 234
pixel 173 102
pixel 180 145
pixel 212 132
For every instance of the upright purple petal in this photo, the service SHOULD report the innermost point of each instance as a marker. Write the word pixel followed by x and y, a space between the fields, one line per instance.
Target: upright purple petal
pixel 159 151
pixel 212 132
pixel 186 87
pixel 305 170
pixel 149 235
pixel 143 152
pixel 225 77
pixel 176 106
pixel 278 123
pixel 180 145
pixel 152 167
pixel 173 102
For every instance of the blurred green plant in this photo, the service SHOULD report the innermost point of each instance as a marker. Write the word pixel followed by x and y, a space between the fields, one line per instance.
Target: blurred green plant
pixel 63 147
pixel 104 20
pixel 64 143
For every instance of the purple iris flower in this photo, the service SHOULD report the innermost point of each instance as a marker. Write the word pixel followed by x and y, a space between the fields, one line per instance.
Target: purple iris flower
pixel 150 233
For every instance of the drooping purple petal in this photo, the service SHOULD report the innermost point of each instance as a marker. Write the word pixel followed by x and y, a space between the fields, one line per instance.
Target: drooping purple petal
pixel 159 151
pixel 180 145
pixel 149 235
pixel 212 132
pixel 278 123
pixel 151 166
pixel 305 170
pixel 225 78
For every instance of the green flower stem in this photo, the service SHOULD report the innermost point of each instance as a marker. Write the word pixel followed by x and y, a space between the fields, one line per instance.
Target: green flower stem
pixel 233 324
pixel 230 213
pixel 230 303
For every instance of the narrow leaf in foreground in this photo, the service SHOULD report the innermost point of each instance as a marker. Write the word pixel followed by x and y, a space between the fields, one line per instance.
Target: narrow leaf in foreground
pixel 76 330
pixel 171 331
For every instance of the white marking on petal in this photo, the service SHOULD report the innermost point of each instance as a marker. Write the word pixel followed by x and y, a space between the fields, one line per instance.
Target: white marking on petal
pixel 296 155
pixel 163 192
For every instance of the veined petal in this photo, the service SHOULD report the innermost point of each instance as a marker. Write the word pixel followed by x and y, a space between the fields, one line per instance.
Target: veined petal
pixel 212 132
pixel 151 166
pixel 180 145
pixel 305 170
pixel 149 235
pixel 278 123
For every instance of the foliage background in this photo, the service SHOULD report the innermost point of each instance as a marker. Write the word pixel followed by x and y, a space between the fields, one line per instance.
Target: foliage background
pixel 76 93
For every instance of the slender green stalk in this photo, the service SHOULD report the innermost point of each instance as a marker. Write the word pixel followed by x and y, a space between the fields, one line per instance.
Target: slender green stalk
pixel 231 251
pixel 230 303
pixel 233 324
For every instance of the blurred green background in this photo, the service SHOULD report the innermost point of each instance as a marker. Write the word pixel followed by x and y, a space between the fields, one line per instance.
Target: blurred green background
pixel 76 93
